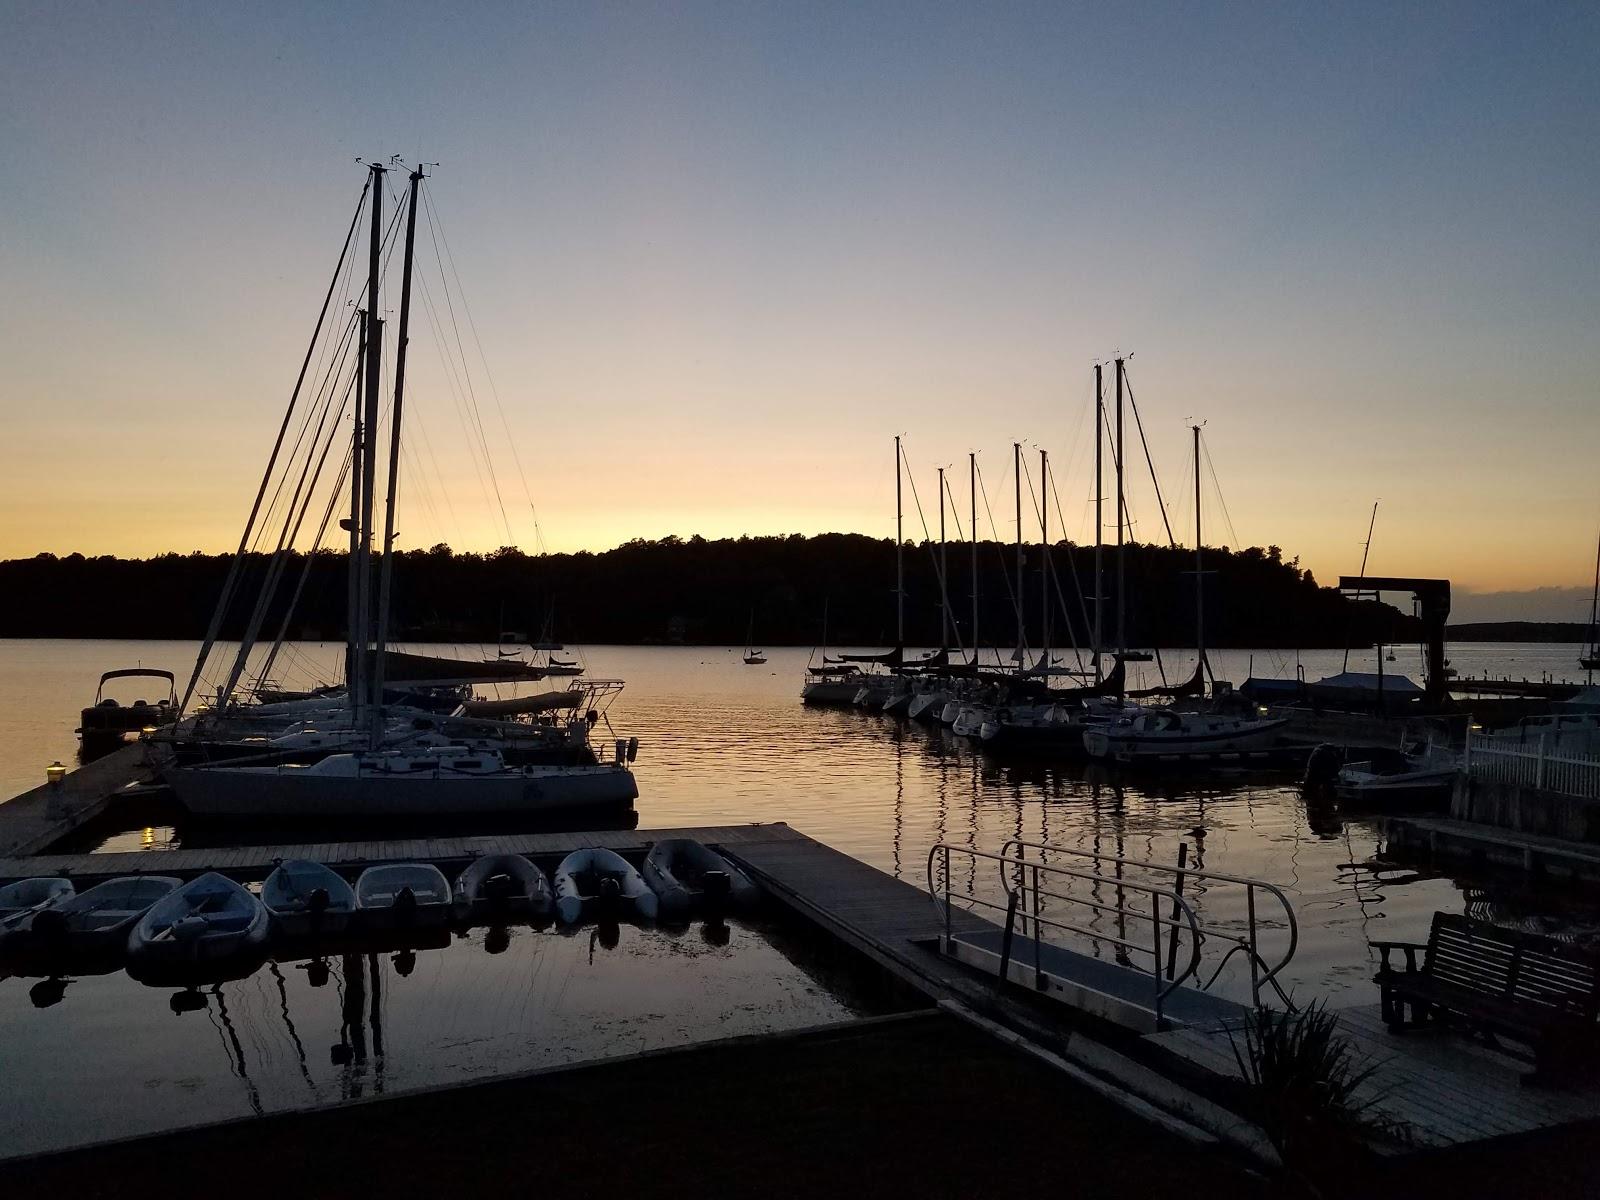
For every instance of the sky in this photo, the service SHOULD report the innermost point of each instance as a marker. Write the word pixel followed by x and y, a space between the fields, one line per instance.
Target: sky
pixel 718 255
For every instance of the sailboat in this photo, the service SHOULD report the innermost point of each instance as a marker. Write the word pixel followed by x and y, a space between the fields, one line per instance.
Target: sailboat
pixel 1589 660
pixel 380 780
pixel 752 656
pixel 1225 731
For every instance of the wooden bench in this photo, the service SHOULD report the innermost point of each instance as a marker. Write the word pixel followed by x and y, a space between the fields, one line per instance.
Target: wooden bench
pixel 1535 990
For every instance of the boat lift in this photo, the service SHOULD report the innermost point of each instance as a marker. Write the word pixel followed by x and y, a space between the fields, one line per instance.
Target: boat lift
pixel 1089 889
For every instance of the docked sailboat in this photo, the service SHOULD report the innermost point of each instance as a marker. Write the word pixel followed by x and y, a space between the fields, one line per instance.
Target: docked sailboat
pixel 1226 730
pixel 405 775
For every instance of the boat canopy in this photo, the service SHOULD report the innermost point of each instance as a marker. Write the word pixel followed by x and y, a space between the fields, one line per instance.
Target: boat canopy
pixel 1587 700
pixel 1367 683
pixel 427 670
pixel 542 702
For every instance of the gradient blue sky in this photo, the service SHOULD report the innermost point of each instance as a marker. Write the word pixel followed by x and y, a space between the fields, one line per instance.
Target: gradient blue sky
pixel 720 254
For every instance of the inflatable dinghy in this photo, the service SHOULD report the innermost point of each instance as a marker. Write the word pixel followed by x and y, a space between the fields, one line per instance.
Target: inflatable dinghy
pixel 501 887
pixel 688 875
pixel 588 879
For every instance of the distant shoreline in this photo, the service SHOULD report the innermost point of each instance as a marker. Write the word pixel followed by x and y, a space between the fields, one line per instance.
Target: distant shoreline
pixel 1550 632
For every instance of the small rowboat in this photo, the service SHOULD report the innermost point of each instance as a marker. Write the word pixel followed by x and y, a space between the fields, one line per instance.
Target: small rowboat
pixel 90 925
pixel 209 920
pixel 687 875
pixel 501 887
pixel 26 895
pixel 307 898
pixel 403 896
pixel 596 880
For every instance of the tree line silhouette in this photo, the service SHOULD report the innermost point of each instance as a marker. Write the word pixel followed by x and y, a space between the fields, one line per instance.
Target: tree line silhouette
pixel 699 591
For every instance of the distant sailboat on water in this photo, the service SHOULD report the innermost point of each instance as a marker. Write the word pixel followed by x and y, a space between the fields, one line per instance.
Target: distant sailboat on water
pixel 752 656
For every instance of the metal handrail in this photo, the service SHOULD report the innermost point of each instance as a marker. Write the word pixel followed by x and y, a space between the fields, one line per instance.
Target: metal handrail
pixel 1017 891
pixel 1258 963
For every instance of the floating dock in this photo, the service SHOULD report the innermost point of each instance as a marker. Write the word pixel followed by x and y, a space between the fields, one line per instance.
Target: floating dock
pixel 1077 1015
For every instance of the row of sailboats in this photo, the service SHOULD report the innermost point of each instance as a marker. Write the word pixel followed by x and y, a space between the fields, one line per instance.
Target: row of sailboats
pixel 1020 705
pixel 406 736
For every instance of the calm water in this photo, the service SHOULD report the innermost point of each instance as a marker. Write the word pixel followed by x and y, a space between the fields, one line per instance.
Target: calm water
pixel 719 743
pixel 112 1058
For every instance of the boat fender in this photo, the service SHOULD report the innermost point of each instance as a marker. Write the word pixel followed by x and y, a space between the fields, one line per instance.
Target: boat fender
pixel 633 748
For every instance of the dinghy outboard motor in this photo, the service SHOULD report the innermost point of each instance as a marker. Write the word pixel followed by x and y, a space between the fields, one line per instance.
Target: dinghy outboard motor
pixel 498 890
pixel 405 906
pixel 715 886
pixel 1322 766
pixel 610 892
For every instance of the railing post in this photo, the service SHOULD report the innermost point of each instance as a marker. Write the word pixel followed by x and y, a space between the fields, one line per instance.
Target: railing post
pixel 1155 963
pixel 1039 936
pixel 947 898
pixel 1177 897
pixel 1005 939
pixel 1255 955
pixel 1538 779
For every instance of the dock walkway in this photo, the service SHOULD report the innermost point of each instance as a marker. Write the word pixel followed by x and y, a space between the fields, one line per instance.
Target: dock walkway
pixel 1443 839
pixel 1443 1087
pixel 43 816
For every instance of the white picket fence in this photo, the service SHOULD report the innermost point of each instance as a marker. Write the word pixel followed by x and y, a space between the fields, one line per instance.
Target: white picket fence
pixel 1533 766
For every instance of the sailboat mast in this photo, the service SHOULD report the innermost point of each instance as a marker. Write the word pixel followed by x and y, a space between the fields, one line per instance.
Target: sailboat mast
pixel 1099 520
pixel 1593 651
pixel 1016 472
pixel 387 571
pixel 1044 558
pixel 1122 506
pixel 352 650
pixel 899 558
pixel 944 574
pixel 369 444
pixel 972 483
pixel 1199 579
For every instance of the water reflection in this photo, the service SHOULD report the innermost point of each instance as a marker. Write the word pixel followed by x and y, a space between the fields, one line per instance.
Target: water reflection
pixel 106 1056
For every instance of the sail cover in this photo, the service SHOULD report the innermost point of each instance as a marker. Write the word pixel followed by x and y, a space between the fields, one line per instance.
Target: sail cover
pixel 428 670
pixel 542 702
pixel 889 658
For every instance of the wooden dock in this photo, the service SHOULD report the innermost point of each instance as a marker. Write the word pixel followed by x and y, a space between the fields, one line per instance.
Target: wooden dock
pixel 1448 1091
pixel 1442 1087
pixel 248 863
pixel 43 816
pixel 1438 839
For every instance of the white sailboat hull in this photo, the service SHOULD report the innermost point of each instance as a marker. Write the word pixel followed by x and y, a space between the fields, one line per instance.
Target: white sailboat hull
pixel 290 792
